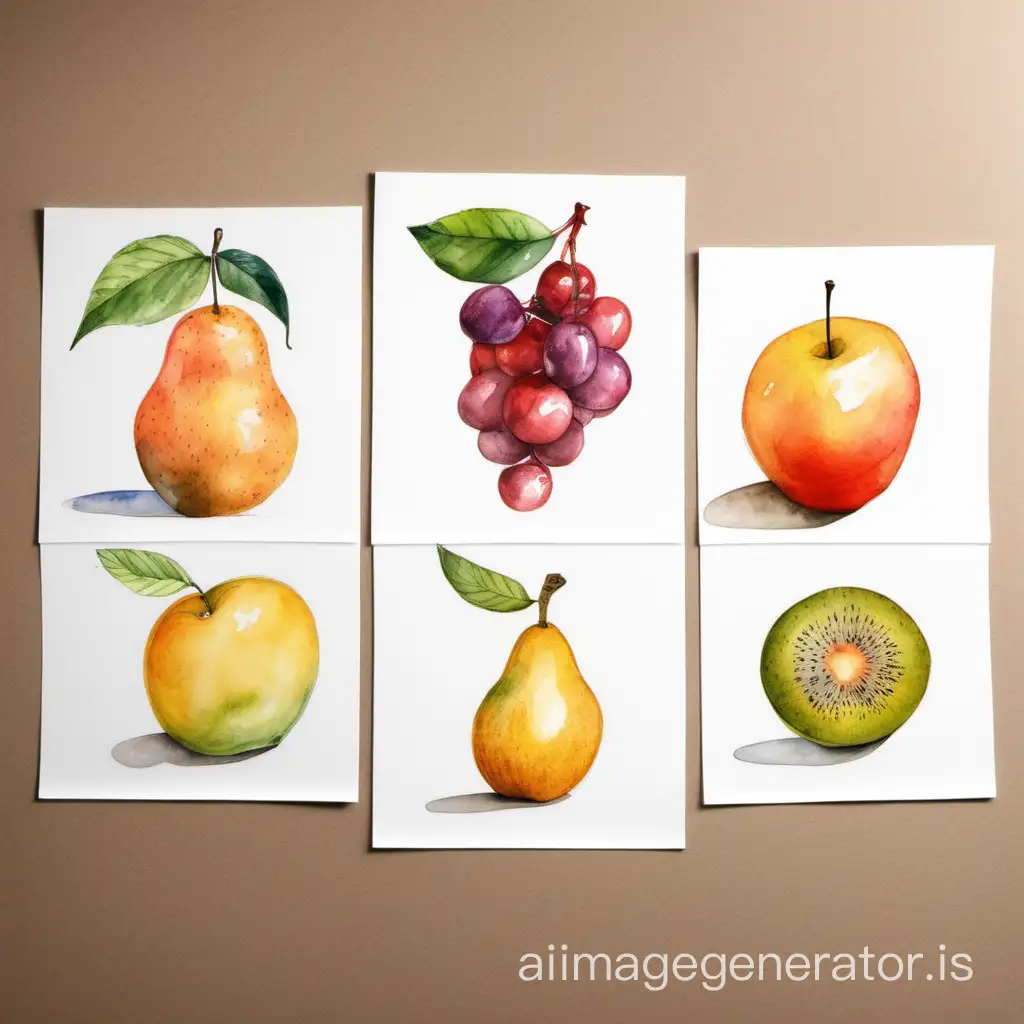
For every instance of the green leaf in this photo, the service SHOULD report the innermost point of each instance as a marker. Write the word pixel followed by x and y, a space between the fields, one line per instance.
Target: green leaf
pixel 254 278
pixel 488 246
pixel 146 281
pixel 145 572
pixel 482 587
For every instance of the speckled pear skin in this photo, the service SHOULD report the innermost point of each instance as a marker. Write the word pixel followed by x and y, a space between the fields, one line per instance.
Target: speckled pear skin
pixel 214 435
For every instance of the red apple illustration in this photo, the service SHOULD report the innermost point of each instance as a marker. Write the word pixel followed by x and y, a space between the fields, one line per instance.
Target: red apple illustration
pixel 830 409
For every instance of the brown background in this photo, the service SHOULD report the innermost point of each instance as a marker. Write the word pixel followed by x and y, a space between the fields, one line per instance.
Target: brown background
pixel 803 122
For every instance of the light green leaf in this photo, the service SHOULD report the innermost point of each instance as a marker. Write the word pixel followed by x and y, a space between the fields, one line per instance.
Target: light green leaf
pixel 146 281
pixel 482 587
pixel 145 572
pixel 487 246
pixel 254 278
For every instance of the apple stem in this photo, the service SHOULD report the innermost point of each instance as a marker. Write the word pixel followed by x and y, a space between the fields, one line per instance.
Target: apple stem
pixel 552 582
pixel 829 285
pixel 218 234
pixel 206 600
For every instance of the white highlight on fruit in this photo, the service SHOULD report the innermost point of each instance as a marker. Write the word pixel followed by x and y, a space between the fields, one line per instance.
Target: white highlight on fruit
pixel 246 620
pixel 852 384
pixel 768 390
pixel 548 405
pixel 246 421
pixel 549 709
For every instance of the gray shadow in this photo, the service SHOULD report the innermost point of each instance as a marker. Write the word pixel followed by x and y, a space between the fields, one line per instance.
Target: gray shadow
pixel 478 803
pixel 158 748
pixel 122 503
pixel 762 506
pixel 795 750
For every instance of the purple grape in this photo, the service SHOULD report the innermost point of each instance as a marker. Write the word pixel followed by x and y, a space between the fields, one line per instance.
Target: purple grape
pixel 492 315
pixel 606 386
pixel 481 400
pixel 565 449
pixel 570 354
pixel 582 415
pixel 502 446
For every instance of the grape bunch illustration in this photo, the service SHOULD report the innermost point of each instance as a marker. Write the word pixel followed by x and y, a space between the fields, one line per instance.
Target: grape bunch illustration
pixel 543 369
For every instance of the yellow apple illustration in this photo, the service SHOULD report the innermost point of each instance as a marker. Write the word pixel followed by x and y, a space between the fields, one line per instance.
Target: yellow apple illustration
pixel 226 670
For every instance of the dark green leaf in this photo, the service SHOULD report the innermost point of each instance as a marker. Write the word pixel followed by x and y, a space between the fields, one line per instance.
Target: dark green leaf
pixel 482 587
pixel 487 246
pixel 254 278
pixel 145 572
pixel 146 281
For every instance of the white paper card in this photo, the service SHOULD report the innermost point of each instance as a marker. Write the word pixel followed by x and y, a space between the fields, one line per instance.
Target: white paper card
pixel 937 300
pixel 101 739
pixel 944 751
pixel 90 394
pixel 430 481
pixel 437 656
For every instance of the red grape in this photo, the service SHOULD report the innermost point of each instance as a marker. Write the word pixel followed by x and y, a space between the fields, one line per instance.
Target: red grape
pixel 610 321
pixel 554 289
pixel 502 446
pixel 525 353
pixel 607 385
pixel 525 487
pixel 482 399
pixel 581 415
pixel 482 357
pixel 565 449
pixel 536 410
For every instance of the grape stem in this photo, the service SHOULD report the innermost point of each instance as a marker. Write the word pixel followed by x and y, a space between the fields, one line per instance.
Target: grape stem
pixel 534 309
pixel 552 582
pixel 576 222
pixel 218 234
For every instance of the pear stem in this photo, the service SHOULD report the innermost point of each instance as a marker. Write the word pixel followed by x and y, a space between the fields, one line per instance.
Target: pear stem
pixel 552 582
pixel 829 285
pixel 218 234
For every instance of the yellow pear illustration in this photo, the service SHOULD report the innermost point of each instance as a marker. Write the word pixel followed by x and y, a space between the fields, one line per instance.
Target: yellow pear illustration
pixel 538 730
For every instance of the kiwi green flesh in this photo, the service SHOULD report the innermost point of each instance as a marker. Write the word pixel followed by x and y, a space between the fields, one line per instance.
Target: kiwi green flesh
pixel 807 697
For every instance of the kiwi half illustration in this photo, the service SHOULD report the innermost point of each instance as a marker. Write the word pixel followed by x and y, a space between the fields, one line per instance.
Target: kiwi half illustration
pixel 845 666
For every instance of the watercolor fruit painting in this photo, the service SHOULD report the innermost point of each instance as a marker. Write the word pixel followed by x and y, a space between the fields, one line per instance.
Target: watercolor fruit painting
pixel 227 669
pixel 214 434
pixel 830 409
pixel 538 729
pixel 845 666
pixel 540 370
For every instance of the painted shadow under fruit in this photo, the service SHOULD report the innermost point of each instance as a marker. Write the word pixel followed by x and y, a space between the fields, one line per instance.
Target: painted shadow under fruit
pixel 538 729
pixel 214 434
pixel 228 671
pixel 541 370
pixel 843 669
pixel 828 414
